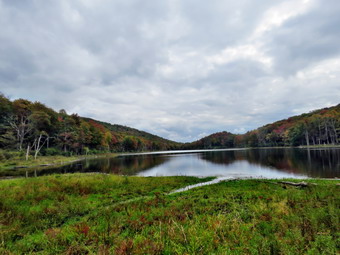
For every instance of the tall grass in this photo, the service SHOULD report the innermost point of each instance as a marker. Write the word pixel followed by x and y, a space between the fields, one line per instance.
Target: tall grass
pixel 107 214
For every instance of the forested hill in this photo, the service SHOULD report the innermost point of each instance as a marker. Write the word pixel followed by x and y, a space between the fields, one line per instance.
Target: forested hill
pixel 34 127
pixel 124 131
pixel 318 127
pixel 314 128
pixel 214 141
pixel 26 125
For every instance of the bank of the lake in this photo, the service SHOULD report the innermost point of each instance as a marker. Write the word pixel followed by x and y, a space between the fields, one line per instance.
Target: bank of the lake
pixel 14 164
pixel 298 163
pixel 110 214
pixel 20 162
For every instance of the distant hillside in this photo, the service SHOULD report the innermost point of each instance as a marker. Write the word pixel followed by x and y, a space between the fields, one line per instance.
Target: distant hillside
pixel 314 128
pixel 121 132
pixel 34 128
pixel 214 141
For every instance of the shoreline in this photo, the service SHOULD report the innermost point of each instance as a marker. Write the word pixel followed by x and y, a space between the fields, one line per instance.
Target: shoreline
pixel 64 159
pixel 214 179
pixel 49 161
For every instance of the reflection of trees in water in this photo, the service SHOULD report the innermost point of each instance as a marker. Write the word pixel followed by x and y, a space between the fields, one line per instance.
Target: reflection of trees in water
pixel 314 163
pixel 127 165
pixel 220 157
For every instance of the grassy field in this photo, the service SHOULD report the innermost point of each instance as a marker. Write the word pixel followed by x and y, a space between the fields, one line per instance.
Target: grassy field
pixel 107 214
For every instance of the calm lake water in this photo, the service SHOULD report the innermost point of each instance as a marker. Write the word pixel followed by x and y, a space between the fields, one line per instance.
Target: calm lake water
pixel 232 163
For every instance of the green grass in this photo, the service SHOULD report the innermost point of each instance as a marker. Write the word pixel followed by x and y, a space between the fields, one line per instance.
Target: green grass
pixel 41 160
pixel 108 214
pixel 319 146
pixel 19 161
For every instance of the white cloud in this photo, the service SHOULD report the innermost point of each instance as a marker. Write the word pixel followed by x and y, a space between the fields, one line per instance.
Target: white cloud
pixel 274 17
pixel 179 69
pixel 248 52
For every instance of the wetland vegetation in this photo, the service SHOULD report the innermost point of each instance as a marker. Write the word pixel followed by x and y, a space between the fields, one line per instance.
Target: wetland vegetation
pixel 109 214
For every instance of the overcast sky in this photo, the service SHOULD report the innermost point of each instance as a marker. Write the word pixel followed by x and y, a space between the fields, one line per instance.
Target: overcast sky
pixel 181 69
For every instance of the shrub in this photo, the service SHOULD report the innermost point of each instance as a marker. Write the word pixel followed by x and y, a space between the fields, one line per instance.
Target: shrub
pixel 2 156
pixel 52 152
pixel 94 151
pixel 5 155
pixel 66 153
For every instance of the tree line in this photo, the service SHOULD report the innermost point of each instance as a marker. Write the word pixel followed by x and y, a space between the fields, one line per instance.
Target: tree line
pixel 320 127
pixel 34 129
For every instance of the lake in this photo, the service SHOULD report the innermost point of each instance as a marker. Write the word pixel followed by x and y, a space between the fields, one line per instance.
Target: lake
pixel 230 163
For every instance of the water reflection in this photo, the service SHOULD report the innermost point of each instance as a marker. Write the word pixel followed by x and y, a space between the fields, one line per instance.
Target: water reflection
pixel 236 169
pixel 127 165
pixel 271 163
pixel 308 162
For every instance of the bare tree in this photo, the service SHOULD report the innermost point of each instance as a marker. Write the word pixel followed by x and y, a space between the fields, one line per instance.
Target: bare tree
pixel 39 142
pixel 28 151
pixel 22 128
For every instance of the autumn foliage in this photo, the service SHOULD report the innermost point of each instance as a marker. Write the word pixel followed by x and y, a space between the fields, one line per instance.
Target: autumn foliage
pixel 320 127
pixel 34 128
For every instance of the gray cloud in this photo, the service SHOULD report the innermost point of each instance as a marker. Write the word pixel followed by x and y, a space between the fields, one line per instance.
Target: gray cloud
pixel 306 39
pixel 178 69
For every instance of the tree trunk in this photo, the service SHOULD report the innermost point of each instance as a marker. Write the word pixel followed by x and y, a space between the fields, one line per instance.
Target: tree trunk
pixel 307 137
pixel 319 134
pixel 334 130
pixel 38 146
pixel 27 152
pixel 22 127
pixel 326 132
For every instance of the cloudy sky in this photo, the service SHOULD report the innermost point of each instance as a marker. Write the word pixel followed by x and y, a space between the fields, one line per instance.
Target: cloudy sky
pixel 181 69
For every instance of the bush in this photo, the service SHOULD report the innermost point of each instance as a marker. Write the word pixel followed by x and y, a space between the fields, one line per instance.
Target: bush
pixel 94 151
pixel 51 152
pixel 2 156
pixel 66 153
pixel 5 155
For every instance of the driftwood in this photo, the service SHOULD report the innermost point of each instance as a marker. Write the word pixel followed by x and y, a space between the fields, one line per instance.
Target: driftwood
pixel 20 167
pixel 297 184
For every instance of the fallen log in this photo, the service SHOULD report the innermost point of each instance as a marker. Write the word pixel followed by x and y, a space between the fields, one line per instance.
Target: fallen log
pixel 297 184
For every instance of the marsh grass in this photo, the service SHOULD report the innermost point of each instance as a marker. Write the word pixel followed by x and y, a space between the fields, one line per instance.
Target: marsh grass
pixel 14 159
pixel 108 214
pixel 20 161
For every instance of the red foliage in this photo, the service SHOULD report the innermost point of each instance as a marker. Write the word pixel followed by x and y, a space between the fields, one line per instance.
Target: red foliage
pixel 97 126
pixel 125 247
pixel 279 130
pixel 114 139
pixel 323 111
pixel 52 233
pixel 83 228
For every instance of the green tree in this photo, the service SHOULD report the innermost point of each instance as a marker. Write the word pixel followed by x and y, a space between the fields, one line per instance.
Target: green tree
pixel 296 134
